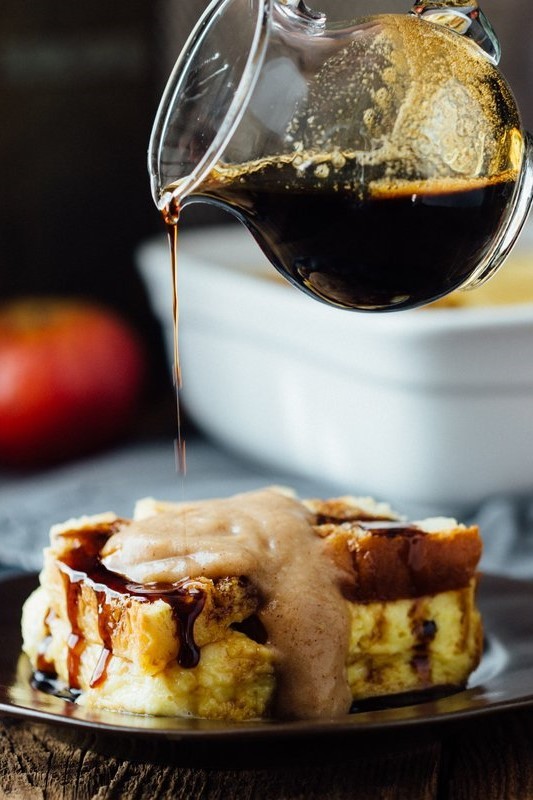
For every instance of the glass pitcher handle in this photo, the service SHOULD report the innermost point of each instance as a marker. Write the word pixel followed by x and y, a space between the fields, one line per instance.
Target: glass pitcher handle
pixel 466 18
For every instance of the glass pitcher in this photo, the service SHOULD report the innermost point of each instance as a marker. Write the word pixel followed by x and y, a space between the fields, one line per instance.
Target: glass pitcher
pixel 379 164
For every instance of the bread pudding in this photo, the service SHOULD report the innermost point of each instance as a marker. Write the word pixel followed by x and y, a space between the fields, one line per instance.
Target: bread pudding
pixel 254 606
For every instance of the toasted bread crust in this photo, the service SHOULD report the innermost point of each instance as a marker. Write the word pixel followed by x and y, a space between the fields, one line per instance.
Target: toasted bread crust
pixel 403 562
pixel 146 633
pixel 409 589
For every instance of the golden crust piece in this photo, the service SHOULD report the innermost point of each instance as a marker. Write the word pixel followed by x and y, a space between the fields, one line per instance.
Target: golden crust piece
pixel 389 558
pixel 410 595
pixel 403 562
pixel 143 632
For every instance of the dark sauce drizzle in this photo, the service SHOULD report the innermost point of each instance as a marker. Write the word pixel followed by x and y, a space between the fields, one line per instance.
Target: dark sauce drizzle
pixel 424 630
pixel 82 564
pixel 390 528
pixel 42 663
pixel 49 683
pixel 357 518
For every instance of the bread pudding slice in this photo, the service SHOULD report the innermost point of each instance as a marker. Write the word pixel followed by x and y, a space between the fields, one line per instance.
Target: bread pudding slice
pixel 255 606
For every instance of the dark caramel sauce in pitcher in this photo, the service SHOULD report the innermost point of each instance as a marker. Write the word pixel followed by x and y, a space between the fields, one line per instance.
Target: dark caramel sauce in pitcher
pixel 386 246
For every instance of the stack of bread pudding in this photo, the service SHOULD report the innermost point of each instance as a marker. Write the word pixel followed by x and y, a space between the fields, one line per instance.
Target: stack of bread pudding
pixel 258 605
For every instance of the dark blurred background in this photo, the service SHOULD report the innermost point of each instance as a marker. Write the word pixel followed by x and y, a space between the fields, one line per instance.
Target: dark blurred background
pixel 79 85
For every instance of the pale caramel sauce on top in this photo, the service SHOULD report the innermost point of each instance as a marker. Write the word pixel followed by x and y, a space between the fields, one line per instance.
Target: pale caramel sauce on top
pixel 267 537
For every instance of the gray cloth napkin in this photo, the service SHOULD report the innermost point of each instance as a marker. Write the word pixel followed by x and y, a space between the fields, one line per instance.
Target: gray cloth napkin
pixel 113 482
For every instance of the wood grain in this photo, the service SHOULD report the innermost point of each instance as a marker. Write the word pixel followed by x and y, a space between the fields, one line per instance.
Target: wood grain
pixel 491 759
pixel 37 762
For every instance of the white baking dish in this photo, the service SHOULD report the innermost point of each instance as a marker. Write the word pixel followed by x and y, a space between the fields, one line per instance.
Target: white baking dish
pixel 431 406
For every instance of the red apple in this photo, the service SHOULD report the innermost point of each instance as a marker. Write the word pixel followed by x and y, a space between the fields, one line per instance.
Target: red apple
pixel 71 374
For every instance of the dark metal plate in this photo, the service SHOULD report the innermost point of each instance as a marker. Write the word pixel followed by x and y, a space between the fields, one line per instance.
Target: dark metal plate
pixel 504 680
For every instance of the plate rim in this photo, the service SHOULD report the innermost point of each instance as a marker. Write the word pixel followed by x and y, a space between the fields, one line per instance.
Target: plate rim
pixel 360 723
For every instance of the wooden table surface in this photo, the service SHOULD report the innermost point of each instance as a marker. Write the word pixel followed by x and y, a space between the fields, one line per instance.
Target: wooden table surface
pixel 483 757
pixel 490 758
